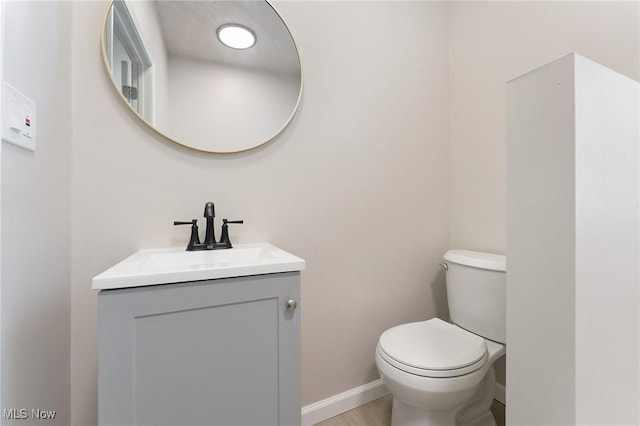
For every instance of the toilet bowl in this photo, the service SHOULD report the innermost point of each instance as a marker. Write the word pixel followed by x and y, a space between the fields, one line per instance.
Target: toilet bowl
pixel 439 373
pixel 434 368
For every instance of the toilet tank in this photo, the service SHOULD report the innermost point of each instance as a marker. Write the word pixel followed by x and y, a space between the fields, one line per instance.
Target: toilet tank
pixel 477 292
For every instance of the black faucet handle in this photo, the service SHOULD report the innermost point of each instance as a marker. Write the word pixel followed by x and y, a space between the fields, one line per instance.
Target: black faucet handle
pixel 224 237
pixel 195 237
pixel 184 222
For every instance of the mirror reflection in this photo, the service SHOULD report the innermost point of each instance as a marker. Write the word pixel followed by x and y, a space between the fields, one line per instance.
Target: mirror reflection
pixel 168 61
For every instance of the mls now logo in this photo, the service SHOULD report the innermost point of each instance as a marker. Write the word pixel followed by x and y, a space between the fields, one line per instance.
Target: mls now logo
pixel 23 413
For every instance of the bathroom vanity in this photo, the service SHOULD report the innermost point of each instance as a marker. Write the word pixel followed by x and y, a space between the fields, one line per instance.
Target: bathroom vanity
pixel 193 338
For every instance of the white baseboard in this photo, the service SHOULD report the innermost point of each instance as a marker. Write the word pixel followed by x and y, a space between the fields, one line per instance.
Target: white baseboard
pixel 353 398
pixel 338 404
pixel 500 393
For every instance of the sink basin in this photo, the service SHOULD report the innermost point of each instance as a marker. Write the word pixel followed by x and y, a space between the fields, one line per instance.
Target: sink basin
pixel 172 265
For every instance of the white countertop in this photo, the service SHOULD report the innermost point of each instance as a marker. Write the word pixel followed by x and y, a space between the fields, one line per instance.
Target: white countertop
pixel 172 265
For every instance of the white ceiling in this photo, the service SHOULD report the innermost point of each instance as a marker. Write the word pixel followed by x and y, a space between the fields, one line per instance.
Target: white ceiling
pixel 189 29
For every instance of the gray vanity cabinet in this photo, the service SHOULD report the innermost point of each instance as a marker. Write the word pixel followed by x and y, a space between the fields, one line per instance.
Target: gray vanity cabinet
pixel 216 352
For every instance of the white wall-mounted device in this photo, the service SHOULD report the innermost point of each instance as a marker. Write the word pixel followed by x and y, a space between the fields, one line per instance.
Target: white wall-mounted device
pixel 19 118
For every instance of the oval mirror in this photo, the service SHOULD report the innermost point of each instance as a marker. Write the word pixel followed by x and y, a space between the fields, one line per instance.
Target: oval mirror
pixel 169 64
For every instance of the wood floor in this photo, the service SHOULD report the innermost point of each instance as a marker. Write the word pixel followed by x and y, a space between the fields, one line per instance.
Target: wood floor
pixel 378 413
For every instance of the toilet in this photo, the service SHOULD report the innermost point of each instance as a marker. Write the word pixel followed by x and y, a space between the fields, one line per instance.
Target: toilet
pixel 441 373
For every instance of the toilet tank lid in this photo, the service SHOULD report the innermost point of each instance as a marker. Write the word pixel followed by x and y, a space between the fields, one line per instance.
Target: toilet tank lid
pixel 477 259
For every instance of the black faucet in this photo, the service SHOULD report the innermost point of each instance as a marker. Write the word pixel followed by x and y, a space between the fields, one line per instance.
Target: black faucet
pixel 209 214
pixel 209 238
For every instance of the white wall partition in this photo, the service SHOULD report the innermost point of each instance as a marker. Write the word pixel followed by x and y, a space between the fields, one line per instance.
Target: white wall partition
pixel 1 85
pixel 573 231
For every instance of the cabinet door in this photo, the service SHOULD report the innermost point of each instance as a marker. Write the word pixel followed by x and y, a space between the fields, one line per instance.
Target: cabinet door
pixel 219 352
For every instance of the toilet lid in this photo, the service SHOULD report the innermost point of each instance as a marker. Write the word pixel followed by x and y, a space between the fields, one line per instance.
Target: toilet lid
pixel 434 345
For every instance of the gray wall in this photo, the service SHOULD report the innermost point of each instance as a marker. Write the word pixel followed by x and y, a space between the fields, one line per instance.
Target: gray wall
pixel 357 185
pixel 36 214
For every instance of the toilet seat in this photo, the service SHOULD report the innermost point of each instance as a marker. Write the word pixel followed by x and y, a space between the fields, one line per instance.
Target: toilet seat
pixel 433 348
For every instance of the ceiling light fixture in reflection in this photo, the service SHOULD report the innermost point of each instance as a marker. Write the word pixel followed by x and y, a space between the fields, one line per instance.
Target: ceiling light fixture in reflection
pixel 236 36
